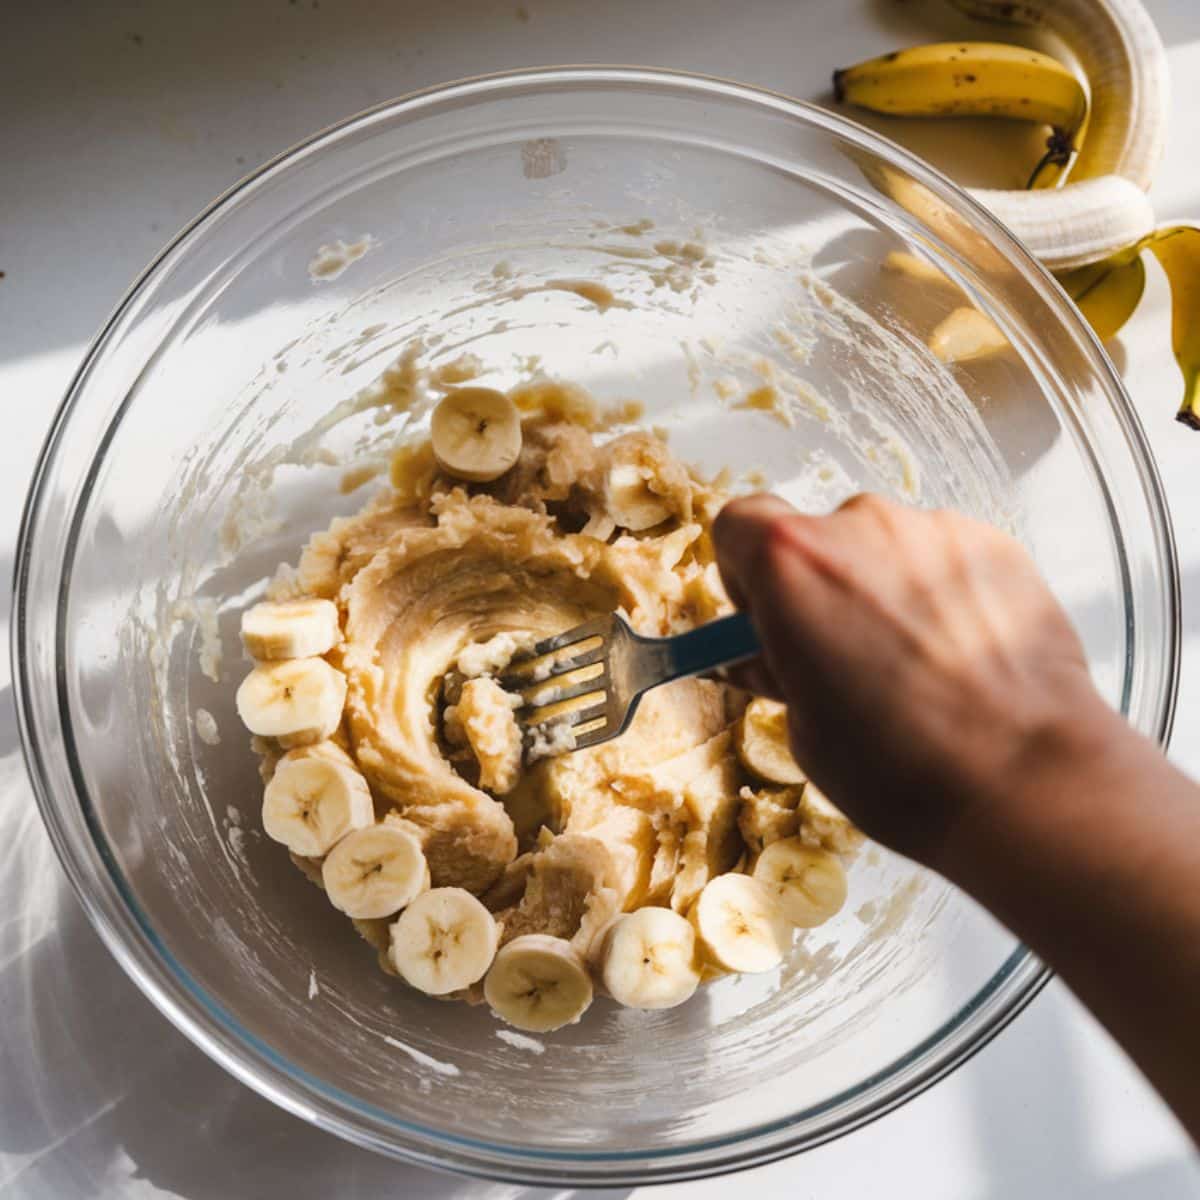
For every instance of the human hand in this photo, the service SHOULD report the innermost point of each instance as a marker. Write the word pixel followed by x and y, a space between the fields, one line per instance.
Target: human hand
pixel 925 664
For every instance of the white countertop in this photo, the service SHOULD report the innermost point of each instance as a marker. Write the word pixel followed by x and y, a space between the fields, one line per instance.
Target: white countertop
pixel 118 122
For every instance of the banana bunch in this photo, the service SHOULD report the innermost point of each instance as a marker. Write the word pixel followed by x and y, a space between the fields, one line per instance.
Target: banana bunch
pixel 1084 212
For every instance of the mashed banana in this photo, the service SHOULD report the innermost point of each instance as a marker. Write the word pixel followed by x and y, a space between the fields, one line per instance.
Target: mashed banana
pixel 439 583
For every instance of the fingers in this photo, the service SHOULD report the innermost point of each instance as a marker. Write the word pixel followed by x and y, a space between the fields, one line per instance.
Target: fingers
pixel 739 534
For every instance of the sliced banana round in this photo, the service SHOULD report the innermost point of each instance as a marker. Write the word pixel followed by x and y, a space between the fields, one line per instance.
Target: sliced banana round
pixel 444 941
pixel 631 501
pixel 809 884
pixel 312 802
pixel 740 925
pixel 374 872
pixel 476 434
pixel 297 701
pixel 538 983
pixel 290 629
pixel 761 738
pixel 649 959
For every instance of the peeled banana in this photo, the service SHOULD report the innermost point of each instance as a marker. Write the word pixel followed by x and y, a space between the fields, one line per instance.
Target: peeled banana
pixel 1102 208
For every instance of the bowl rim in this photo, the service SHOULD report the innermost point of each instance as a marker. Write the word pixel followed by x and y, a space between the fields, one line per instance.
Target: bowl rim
pixel 131 938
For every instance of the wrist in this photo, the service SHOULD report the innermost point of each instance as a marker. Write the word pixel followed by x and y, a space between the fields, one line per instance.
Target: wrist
pixel 1053 794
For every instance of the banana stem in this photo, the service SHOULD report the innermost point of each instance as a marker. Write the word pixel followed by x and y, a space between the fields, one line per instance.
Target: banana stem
pixel 1060 149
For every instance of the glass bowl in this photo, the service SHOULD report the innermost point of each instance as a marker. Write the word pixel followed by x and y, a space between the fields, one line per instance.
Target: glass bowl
pixel 721 255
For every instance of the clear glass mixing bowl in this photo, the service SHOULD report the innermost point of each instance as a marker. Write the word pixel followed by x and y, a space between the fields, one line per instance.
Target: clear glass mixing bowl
pixel 742 238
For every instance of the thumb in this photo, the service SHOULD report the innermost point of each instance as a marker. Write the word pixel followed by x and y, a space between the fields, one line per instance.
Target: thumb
pixel 739 535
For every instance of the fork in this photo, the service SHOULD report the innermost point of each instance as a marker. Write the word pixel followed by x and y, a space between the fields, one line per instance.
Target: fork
pixel 593 677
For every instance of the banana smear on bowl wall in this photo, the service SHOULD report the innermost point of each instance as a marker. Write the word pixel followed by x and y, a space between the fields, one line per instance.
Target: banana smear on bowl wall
pixel 1084 212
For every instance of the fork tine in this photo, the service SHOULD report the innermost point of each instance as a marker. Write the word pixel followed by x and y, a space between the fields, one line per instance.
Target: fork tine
pixel 594 683
pixel 520 681
pixel 597 627
pixel 575 716
pixel 593 737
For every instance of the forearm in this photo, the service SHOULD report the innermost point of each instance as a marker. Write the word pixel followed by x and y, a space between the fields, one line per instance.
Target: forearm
pixel 1091 854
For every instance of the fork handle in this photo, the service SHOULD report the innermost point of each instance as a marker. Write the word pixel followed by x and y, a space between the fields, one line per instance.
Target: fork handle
pixel 719 643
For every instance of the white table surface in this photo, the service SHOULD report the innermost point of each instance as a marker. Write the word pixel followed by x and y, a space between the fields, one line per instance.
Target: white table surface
pixel 118 122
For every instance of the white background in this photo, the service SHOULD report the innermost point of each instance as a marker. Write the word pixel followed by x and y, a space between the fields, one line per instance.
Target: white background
pixel 118 122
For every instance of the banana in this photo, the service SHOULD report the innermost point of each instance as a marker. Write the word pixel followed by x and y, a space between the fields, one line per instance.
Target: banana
pixel 1107 292
pixel 1121 55
pixel 971 79
pixel 538 983
pixel 375 872
pixel 649 959
pixel 311 803
pixel 740 925
pixel 445 940
pixel 1102 209
pixel 761 739
pixel 485 714
pixel 809 884
pixel 1177 249
pixel 297 700
pixel 824 825
pixel 964 335
pixel 767 814
pixel 290 629
pixel 630 501
pixel 476 434
pixel 919 270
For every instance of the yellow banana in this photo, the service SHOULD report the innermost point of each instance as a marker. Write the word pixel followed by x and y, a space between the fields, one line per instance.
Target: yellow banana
pixel 960 79
pixel 1107 292
pixel 1177 248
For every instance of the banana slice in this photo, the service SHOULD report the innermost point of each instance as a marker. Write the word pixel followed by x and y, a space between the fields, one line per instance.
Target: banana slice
pixel 966 334
pixel 443 941
pixel 824 825
pixel 298 701
pixel 762 743
pixel 374 872
pixel 313 802
pixel 740 925
pixel 649 959
pixel 290 629
pixel 538 983
pixel 476 434
pixel 631 502
pixel 809 884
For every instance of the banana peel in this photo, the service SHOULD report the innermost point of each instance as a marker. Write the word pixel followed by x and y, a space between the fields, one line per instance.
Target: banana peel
pixel 1108 292
pixel 1177 248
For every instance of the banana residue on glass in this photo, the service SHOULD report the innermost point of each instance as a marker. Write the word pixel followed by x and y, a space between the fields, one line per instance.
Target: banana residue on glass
pixel 521 516
pixel 865 402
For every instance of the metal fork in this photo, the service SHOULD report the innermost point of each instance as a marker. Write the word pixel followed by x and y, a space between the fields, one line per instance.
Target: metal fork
pixel 593 676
